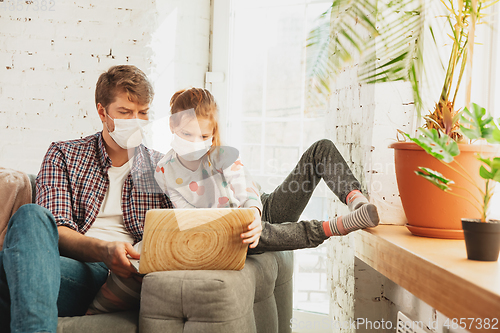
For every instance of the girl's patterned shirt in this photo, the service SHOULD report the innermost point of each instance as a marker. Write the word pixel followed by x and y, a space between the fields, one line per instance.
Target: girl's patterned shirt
pixel 221 181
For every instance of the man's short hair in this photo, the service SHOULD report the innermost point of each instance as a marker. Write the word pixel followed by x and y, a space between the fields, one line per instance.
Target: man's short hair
pixel 123 78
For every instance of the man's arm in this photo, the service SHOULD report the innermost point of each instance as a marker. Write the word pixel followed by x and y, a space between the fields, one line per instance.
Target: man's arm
pixel 53 192
pixel 88 249
pixel 79 247
pixel 53 189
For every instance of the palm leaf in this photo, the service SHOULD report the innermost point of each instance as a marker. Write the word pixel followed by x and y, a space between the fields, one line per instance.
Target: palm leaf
pixel 388 53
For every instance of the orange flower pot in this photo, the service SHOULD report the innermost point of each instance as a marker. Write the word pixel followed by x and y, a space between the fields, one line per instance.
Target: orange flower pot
pixel 430 211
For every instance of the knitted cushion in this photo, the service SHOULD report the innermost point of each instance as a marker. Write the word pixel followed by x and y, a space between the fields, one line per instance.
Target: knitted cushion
pixel 117 294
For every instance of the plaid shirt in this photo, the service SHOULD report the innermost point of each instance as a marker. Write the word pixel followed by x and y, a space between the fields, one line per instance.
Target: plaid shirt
pixel 73 180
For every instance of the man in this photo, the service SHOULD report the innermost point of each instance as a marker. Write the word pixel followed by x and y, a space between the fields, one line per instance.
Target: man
pixel 92 196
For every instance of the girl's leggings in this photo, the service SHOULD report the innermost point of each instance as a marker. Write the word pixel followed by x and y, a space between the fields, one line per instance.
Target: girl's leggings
pixel 283 207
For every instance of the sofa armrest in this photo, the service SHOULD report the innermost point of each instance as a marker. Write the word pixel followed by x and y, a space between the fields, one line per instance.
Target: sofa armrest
pixel 15 191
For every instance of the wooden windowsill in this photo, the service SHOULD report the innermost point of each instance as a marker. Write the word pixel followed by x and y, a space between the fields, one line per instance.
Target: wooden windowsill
pixel 436 271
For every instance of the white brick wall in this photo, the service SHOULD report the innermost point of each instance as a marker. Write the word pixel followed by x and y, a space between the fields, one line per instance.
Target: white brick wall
pixel 50 62
pixel 349 116
pixel 379 299
pixel 362 132
pixel 340 272
pixel 363 120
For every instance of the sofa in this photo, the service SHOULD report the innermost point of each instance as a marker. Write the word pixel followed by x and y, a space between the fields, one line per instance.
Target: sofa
pixel 256 299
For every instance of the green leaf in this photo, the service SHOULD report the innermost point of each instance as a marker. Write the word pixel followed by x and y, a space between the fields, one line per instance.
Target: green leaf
pixel 486 161
pixel 470 133
pixel 481 125
pixel 442 148
pixel 435 178
pixel 495 134
pixel 485 173
pixel 494 165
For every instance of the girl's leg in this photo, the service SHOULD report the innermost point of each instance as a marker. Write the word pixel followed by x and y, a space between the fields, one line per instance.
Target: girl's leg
pixel 289 236
pixel 285 204
pixel 320 161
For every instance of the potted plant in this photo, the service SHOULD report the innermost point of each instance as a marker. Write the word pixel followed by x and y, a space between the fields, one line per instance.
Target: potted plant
pixel 482 236
pixel 440 222
pixel 445 121
pixel 401 59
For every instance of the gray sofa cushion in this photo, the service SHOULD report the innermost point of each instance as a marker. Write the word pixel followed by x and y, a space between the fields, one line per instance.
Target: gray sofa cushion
pixel 122 322
pixel 219 301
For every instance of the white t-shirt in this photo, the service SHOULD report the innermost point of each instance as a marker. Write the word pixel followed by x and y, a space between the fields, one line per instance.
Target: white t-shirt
pixel 109 224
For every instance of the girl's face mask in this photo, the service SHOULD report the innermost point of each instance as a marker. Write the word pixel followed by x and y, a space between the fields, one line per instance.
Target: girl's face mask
pixel 128 133
pixel 192 137
pixel 190 151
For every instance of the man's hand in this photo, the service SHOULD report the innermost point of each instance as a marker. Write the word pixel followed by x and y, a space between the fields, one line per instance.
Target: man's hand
pixel 88 249
pixel 115 257
pixel 255 229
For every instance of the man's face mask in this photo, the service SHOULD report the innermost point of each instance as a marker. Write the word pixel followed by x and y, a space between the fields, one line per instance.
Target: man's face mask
pixel 128 133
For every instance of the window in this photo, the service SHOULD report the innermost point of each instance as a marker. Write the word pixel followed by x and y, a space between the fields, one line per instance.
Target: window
pixel 266 113
pixel 485 76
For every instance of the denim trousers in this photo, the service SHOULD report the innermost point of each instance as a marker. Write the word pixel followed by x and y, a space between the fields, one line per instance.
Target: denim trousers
pixel 36 284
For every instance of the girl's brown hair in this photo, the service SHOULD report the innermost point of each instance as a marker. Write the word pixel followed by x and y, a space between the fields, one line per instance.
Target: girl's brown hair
pixel 203 103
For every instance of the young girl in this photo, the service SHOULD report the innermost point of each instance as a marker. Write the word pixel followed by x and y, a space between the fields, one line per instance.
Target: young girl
pixel 201 173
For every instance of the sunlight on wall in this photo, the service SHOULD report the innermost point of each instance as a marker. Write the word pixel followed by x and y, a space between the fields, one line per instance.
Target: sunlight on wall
pixel 180 59
pixel 163 76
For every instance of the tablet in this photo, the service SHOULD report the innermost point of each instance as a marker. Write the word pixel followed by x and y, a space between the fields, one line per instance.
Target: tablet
pixel 194 239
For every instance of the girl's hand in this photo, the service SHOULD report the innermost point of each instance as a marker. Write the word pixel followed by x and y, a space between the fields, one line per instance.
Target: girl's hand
pixel 255 229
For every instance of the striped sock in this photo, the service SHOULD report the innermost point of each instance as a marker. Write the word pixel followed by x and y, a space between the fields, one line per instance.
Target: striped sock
pixel 355 199
pixel 364 217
